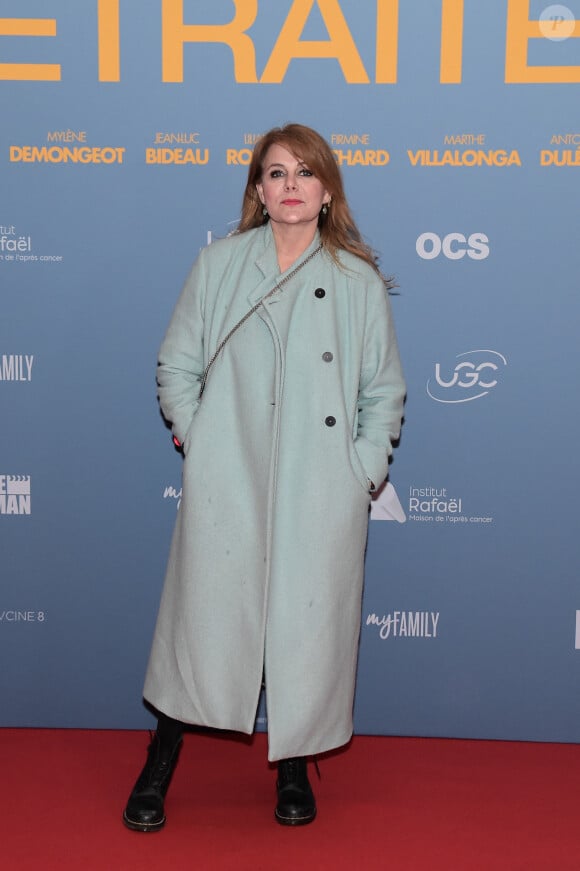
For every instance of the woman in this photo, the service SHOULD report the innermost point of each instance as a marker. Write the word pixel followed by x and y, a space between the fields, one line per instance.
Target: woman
pixel 300 407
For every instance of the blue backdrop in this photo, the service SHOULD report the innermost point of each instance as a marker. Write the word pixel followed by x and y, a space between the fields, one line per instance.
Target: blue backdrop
pixel 127 126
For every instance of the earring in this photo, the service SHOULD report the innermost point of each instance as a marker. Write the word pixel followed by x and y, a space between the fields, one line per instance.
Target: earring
pixel 325 210
pixel 265 212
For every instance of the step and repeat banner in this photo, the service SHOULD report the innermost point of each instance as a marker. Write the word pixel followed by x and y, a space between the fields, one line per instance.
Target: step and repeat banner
pixel 127 128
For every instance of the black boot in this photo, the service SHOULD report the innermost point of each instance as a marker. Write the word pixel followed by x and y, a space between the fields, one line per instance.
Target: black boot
pixel 145 811
pixel 296 804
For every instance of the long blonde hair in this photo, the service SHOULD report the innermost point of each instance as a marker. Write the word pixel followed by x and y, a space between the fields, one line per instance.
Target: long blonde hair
pixel 337 227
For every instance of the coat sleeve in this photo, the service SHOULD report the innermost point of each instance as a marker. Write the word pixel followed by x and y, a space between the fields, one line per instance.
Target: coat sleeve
pixel 181 359
pixel 381 388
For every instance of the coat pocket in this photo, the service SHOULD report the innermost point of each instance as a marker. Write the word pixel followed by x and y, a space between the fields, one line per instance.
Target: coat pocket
pixel 358 468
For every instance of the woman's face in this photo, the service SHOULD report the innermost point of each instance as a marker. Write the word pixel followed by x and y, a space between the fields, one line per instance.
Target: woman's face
pixel 289 190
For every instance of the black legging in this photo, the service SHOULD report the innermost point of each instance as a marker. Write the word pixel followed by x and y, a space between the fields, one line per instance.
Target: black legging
pixel 169 730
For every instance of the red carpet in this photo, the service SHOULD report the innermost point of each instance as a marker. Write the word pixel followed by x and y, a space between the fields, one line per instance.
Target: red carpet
pixel 385 803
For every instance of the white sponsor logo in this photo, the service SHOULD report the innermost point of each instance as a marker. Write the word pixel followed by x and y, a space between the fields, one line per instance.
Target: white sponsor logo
pixel 14 494
pixel 387 506
pixel 473 377
pixel 22 616
pixel 577 630
pixel 436 505
pixel 15 248
pixel 406 624
pixel 13 244
pixel 454 246
pixel 16 367
pixel 171 493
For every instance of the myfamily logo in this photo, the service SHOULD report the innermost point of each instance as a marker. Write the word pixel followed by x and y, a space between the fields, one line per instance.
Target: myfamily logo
pixel 14 494
pixel 387 505
pixel 16 367
pixel 453 246
pixel 173 494
pixel 577 630
pixel 472 378
pixel 405 624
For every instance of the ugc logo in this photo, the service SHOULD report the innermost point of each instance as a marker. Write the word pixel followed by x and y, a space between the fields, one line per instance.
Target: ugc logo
pixel 472 377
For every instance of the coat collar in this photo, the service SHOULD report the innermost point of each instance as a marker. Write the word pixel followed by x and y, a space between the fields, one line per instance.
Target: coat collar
pixel 267 262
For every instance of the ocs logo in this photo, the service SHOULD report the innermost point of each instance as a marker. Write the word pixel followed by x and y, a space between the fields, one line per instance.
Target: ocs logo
pixel 473 377
pixel 454 246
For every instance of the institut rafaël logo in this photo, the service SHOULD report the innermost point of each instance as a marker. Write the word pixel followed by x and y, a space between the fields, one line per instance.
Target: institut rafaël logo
pixel 577 630
pixel 15 494
pixel 471 375
pixel 387 505
pixel 440 505
pixel 19 248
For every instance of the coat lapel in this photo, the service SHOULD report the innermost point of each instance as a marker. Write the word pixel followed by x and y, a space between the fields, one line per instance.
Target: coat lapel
pixel 267 264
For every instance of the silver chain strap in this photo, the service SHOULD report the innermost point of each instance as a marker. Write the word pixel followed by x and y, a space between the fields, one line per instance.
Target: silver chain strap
pixel 249 313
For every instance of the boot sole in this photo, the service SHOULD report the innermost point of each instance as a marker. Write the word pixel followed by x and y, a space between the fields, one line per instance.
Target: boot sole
pixel 143 827
pixel 294 821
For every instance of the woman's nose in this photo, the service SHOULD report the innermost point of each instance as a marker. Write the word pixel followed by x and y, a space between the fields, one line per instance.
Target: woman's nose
pixel 290 182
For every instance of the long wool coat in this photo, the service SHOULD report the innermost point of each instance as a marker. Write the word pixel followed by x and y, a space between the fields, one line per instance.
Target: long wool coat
pixel 266 564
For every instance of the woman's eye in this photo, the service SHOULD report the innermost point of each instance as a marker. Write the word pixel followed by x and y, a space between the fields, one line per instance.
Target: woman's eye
pixel 276 173
pixel 306 172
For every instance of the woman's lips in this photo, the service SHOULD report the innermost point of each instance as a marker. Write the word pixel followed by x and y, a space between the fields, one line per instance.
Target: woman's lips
pixel 291 202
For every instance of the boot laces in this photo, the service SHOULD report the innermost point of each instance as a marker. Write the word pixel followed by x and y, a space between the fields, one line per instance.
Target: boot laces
pixel 292 772
pixel 160 763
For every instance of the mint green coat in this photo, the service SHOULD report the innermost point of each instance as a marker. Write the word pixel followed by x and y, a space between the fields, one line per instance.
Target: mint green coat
pixel 266 564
